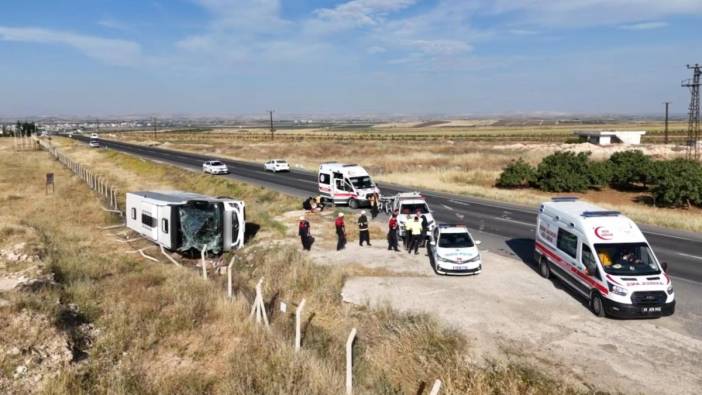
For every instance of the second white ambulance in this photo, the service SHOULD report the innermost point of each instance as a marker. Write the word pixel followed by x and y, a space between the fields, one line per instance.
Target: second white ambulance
pixel 345 184
pixel 604 256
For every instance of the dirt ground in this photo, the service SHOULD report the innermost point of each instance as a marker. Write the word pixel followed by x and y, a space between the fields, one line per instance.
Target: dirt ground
pixel 510 310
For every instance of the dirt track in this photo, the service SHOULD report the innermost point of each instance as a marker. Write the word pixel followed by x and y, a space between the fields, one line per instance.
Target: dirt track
pixel 509 310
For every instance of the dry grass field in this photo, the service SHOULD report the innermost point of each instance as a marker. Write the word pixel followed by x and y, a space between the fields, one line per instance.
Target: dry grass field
pixel 98 319
pixel 467 165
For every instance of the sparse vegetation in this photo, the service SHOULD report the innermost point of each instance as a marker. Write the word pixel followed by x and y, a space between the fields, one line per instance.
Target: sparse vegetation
pixel 162 329
pixel 517 174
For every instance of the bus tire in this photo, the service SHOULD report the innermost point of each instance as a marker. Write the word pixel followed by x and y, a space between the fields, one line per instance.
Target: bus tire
pixel 544 270
pixel 597 305
pixel 353 203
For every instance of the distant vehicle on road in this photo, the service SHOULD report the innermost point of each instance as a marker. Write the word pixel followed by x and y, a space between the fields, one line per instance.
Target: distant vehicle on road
pixel 453 251
pixel 345 184
pixel 276 165
pixel 94 136
pixel 94 144
pixel 215 167
pixel 604 256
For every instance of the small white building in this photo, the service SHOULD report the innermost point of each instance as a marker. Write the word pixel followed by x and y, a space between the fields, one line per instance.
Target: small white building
pixel 607 137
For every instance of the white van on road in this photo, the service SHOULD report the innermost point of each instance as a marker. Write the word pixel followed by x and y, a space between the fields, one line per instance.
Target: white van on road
pixel 345 184
pixel 604 256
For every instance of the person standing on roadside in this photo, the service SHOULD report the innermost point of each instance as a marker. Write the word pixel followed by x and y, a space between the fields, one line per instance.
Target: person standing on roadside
pixel 416 228
pixel 408 232
pixel 374 205
pixel 425 230
pixel 304 232
pixel 392 233
pixel 340 232
pixel 363 233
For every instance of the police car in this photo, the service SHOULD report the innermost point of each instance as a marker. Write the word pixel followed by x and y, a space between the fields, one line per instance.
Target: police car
pixel 453 251
pixel 215 167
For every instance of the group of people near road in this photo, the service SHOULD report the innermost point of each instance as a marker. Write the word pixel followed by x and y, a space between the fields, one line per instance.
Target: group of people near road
pixel 416 232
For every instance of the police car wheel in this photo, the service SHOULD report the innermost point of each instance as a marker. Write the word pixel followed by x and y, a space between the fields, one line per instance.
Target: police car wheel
pixel 544 270
pixel 597 305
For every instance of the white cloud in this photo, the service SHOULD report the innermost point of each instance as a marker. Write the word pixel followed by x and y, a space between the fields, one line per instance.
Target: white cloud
pixel 644 26
pixel 440 47
pixel 578 13
pixel 245 15
pixel 355 13
pixel 375 49
pixel 112 51
pixel 114 24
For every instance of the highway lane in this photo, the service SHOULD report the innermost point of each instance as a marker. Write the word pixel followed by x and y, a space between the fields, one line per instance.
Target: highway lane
pixel 504 223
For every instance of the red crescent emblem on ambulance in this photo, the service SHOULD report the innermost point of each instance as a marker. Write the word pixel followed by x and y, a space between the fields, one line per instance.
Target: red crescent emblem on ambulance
pixel 603 233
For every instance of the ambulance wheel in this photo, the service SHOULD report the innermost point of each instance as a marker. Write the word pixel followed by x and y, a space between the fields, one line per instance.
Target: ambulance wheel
pixel 544 270
pixel 353 203
pixel 596 305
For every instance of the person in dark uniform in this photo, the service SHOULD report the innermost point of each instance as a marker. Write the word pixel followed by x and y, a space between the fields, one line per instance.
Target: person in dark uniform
pixel 304 232
pixel 392 233
pixel 425 231
pixel 363 233
pixel 374 201
pixel 340 232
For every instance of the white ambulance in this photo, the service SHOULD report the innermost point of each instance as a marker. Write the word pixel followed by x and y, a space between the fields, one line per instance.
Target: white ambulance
pixel 604 256
pixel 345 184
pixel 185 221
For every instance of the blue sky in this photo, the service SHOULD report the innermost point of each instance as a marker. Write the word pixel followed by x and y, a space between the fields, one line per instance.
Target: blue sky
pixel 229 57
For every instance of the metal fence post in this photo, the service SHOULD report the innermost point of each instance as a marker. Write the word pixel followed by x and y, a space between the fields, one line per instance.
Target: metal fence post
pixel 349 362
pixel 298 334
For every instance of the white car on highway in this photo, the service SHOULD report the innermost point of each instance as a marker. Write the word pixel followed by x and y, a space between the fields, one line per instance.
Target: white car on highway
pixel 94 144
pixel 215 167
pixel 94 136
pixel 276 165
pixel 452 250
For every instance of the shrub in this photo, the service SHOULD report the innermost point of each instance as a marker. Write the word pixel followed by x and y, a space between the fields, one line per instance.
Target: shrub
pixel 629 168
pixel 517 174
pixel 679 183
pixel 564 172
pixel 600 174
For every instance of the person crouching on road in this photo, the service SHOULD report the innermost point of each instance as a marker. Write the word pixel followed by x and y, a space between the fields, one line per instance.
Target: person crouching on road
pixel 319 202
pixel 392 233
pixel 340 232
pixel 416 228
pixel 363 233
pixel 304 232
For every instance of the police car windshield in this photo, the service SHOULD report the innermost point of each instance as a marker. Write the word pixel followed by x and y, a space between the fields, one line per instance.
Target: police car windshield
pixel 216 163
pixel 362 182
pixel 455 240
pixel 412 208
pixel 627 259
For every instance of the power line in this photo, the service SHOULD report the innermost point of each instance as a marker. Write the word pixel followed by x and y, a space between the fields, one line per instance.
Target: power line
pixel 693 126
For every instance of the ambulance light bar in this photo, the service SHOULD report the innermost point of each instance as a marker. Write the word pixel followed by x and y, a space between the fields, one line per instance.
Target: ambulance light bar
pixel 564 199
pixel 591 214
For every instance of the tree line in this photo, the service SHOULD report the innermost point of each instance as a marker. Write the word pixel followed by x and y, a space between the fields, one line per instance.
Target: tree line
pixel 671 183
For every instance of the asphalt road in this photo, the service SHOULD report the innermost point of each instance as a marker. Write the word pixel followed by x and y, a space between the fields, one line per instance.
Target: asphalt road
pixel 502 227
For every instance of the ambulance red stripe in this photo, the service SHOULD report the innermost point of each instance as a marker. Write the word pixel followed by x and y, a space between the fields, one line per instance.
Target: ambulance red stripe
pixel 566 266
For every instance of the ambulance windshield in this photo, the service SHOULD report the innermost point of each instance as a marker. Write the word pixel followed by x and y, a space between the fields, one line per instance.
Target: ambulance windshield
pixel 627 259
pixel 363 182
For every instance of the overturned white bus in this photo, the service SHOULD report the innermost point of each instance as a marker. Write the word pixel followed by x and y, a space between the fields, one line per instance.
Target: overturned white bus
pixel 185 221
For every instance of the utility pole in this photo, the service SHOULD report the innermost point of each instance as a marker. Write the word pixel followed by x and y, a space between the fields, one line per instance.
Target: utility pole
pixel 667 104
pixel 693 127
pixel 270 112
pixel 154 123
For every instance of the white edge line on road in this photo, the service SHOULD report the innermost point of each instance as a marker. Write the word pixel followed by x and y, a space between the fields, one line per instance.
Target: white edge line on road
pixel 515 222
pixel 689 255
pixel 671 236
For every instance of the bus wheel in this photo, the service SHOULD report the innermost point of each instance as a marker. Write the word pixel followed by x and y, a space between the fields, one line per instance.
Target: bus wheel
pixel 596 305
pixel 544 270
pixel 353 203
